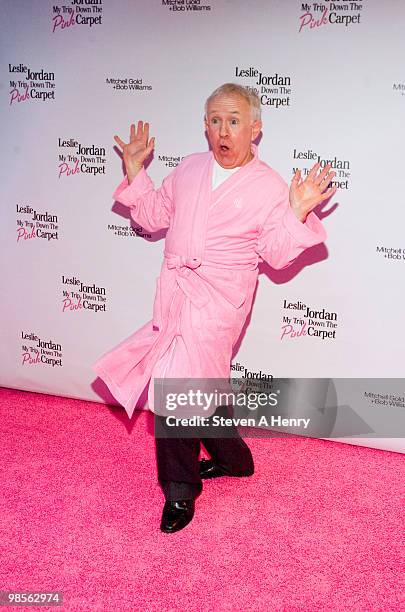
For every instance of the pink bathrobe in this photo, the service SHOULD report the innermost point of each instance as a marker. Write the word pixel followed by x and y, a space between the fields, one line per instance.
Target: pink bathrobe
pixel 204 292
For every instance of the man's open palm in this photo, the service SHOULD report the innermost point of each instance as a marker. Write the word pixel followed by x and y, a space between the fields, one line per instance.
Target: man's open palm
pixel 137 150
pixel 306 195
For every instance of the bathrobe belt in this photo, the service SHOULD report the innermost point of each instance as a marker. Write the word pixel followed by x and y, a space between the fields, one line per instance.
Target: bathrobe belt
pixel 193 277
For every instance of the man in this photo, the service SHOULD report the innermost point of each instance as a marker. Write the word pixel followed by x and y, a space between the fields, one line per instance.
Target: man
pixel 226 210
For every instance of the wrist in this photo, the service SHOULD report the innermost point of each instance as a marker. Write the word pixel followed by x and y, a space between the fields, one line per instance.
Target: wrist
pixel 301 216
pixel 131 174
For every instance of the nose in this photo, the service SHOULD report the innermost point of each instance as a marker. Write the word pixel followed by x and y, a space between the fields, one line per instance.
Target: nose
pixel 223 129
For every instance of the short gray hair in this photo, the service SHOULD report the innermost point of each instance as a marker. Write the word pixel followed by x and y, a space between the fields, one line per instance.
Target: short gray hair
pixel 234 89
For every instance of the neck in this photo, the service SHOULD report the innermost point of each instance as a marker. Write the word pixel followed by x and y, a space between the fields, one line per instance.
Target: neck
pixel 248 157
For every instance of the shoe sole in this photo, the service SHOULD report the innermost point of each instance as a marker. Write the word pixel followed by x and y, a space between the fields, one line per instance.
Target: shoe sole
pixel 225 476
pixel 175 530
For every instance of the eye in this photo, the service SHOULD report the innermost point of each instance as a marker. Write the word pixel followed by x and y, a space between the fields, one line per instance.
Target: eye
pixel 214 120
pixel 234 121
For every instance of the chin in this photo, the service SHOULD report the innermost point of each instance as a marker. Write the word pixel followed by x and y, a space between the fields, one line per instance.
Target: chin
pixel 225 161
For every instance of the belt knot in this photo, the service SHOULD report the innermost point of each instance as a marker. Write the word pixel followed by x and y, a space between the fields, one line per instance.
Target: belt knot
pixel 181 261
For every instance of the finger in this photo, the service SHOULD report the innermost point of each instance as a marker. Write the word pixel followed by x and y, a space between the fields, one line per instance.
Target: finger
pixel 313 171
pixel 139 130
pixel 321 175
pixel 328 193
pixel 132 133
pixel 328 179
pixel 146 133
pixel 119 141
pixel 148 150
pixel 296 176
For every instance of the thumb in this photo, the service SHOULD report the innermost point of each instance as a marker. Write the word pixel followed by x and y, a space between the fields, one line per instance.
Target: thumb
pixel 151 145
pixel 294 184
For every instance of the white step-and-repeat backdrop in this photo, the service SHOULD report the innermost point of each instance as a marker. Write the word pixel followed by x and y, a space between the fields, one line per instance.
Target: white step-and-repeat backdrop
pixel 78 276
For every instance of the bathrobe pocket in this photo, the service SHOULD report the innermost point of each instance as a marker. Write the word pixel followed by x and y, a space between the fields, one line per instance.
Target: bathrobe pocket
pixel 231 318
pixel 218 315
pixel 227 312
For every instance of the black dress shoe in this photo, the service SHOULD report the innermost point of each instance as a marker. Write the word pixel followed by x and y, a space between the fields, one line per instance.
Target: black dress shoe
pixel 210 469
pixel 176 515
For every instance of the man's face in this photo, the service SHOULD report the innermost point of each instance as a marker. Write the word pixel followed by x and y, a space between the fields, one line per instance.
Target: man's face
pixel 231 129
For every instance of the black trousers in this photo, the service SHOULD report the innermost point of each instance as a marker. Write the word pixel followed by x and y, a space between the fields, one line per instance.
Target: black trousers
pixel 177 458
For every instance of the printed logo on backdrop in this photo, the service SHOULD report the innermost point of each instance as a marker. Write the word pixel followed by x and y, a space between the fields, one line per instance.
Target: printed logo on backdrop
pixel 385 399
pixel 170 161
pixel 128 84
pixel 300 320
pixel 250 380
pixel 78 296
pixel 34 350
pixel 340 166
pixel 273 89
pixel 399 88
pixel 32 224
pixel 80 159
pixel 187 6
pixel 344 13
pixel 391 253
pixel 27 83
pixel 86 13
pixel 127 231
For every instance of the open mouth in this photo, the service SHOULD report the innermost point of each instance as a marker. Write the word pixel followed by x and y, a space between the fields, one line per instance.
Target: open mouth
pixel 224 148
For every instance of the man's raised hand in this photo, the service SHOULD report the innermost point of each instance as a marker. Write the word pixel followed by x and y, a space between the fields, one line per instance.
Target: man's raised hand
pixel 137 150
pixel 306 194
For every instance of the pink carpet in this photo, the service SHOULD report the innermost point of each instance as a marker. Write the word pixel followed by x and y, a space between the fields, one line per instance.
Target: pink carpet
pixel 318 526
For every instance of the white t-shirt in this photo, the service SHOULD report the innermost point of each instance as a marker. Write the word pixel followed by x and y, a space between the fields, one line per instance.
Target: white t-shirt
pixel 220 174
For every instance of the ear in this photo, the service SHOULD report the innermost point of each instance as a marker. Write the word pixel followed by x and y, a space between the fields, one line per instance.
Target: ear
pixel 256 129
pixel 205 122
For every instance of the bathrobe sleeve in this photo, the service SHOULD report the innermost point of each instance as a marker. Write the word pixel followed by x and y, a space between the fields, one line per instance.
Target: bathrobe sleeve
pixel 150 208
pixel 283 237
